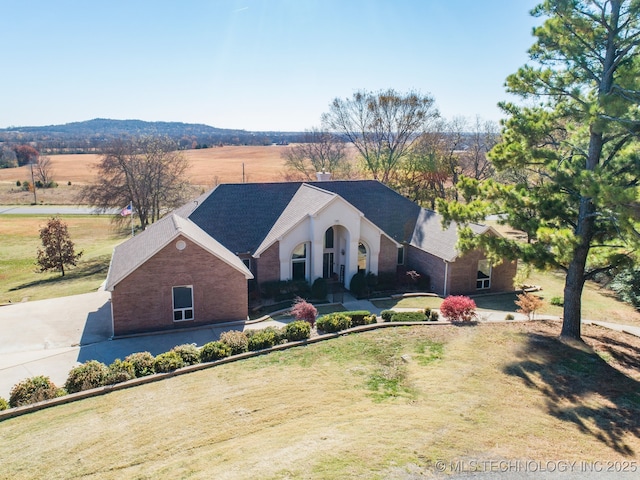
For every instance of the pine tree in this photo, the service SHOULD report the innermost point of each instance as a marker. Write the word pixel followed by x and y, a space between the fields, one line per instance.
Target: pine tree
pixel 571 152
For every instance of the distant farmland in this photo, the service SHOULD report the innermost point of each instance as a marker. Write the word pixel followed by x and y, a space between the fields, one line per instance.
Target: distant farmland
pixel 208 166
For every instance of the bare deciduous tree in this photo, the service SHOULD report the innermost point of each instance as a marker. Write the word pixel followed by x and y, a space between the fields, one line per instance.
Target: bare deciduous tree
pixel 474 161
pixel 382 125
pixel 149 172
pixel 43 170
pixel 320 151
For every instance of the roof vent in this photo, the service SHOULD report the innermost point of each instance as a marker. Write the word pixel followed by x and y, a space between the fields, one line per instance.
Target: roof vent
pixel 323 176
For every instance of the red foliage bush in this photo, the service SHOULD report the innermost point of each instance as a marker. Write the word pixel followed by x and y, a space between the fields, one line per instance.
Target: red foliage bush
pixel 303 310
pixel 458 308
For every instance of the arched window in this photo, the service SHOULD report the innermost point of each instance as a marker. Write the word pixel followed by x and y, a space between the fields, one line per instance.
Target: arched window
pixel 299 262
pixel 328 238
pixel 362 257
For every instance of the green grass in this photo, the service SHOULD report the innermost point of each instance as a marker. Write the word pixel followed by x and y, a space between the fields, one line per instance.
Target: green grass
pixel 597 303
pixel 19 276
pixel 351 407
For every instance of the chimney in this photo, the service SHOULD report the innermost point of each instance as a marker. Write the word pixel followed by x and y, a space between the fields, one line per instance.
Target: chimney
pixel 323 176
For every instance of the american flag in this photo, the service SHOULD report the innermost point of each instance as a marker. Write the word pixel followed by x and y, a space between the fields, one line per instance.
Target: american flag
pixel 126 211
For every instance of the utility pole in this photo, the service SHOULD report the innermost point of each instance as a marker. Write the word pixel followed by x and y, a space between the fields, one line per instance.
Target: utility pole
pixel 33 184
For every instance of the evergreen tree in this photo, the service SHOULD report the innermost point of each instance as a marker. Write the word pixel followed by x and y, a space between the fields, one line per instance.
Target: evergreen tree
pixel 572 151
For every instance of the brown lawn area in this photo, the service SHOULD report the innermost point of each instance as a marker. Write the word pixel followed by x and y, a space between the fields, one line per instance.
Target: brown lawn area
pixel 262 164
pixel 383 404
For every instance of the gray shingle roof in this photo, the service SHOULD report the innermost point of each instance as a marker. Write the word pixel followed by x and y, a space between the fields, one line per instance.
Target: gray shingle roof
pixel 247 217
pixel 386 208
pixel 307 201
pixel 429 236
pixel 241 215
pixel 129 255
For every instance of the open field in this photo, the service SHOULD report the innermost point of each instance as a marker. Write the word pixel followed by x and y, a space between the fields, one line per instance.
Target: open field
pixel 20 279
pixel 209 167
pixel 352 408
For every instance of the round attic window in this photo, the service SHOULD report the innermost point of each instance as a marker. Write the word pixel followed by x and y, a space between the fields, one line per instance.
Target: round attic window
pixel 181 245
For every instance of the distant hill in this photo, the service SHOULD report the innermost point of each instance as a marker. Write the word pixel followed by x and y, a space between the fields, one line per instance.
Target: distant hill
pixel 108 126
pixel 90 135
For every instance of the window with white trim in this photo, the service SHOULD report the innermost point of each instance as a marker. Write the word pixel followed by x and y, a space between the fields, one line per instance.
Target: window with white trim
pixel 299 262
pixel 182 303
pixel 483 278
pixel 362 257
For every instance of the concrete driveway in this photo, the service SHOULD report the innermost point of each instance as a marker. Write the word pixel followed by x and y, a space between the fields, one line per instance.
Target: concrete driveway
pixel 50 337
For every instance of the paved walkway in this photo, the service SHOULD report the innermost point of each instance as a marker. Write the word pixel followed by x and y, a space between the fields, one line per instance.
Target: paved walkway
pixel 50 337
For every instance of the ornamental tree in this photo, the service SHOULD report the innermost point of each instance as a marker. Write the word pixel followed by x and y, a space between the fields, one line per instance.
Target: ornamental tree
pixel 570 154
pixel 58 250
pixel 458 308
pixel 303 310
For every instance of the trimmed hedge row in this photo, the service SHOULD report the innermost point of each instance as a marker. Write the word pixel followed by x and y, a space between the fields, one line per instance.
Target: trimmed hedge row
pixel 94 374
pixel 419 316
pixel 334 322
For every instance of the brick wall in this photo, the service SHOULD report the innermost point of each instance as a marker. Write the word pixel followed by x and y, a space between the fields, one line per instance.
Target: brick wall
pixel 463 275
pixel 143 301
pixel 425 263
pixel 268 265
pixel 388 257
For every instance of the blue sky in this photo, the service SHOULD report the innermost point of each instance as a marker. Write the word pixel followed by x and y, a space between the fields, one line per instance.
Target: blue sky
pixel 251 64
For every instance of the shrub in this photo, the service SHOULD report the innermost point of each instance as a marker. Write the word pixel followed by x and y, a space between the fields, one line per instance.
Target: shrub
pixel 529 304
pixel 358 284
pixel 32 390
pixel 298 330
pixel 119 371
pixel 334 322
pixel 143 363
pixel 626 284
pixel 427 312
pixel 285 289
pixel 69 183
pixel 319 289
pixel 91 374
pixel 168 362
pixel 261 339
pixel 386 315
pixel 188 352
pixel 509 316
pixel 212 351
pixel 357 317
pixel 434 316
pixel 557 301
pixel 458 308
pixel 387 281
pixel 303 310
pixel 3 404
pixel 408 317
pixel 370 319
pixel 18 183
pixel 237 341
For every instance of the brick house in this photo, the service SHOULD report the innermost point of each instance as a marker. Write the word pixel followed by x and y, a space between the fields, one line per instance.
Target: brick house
pixel 192 267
